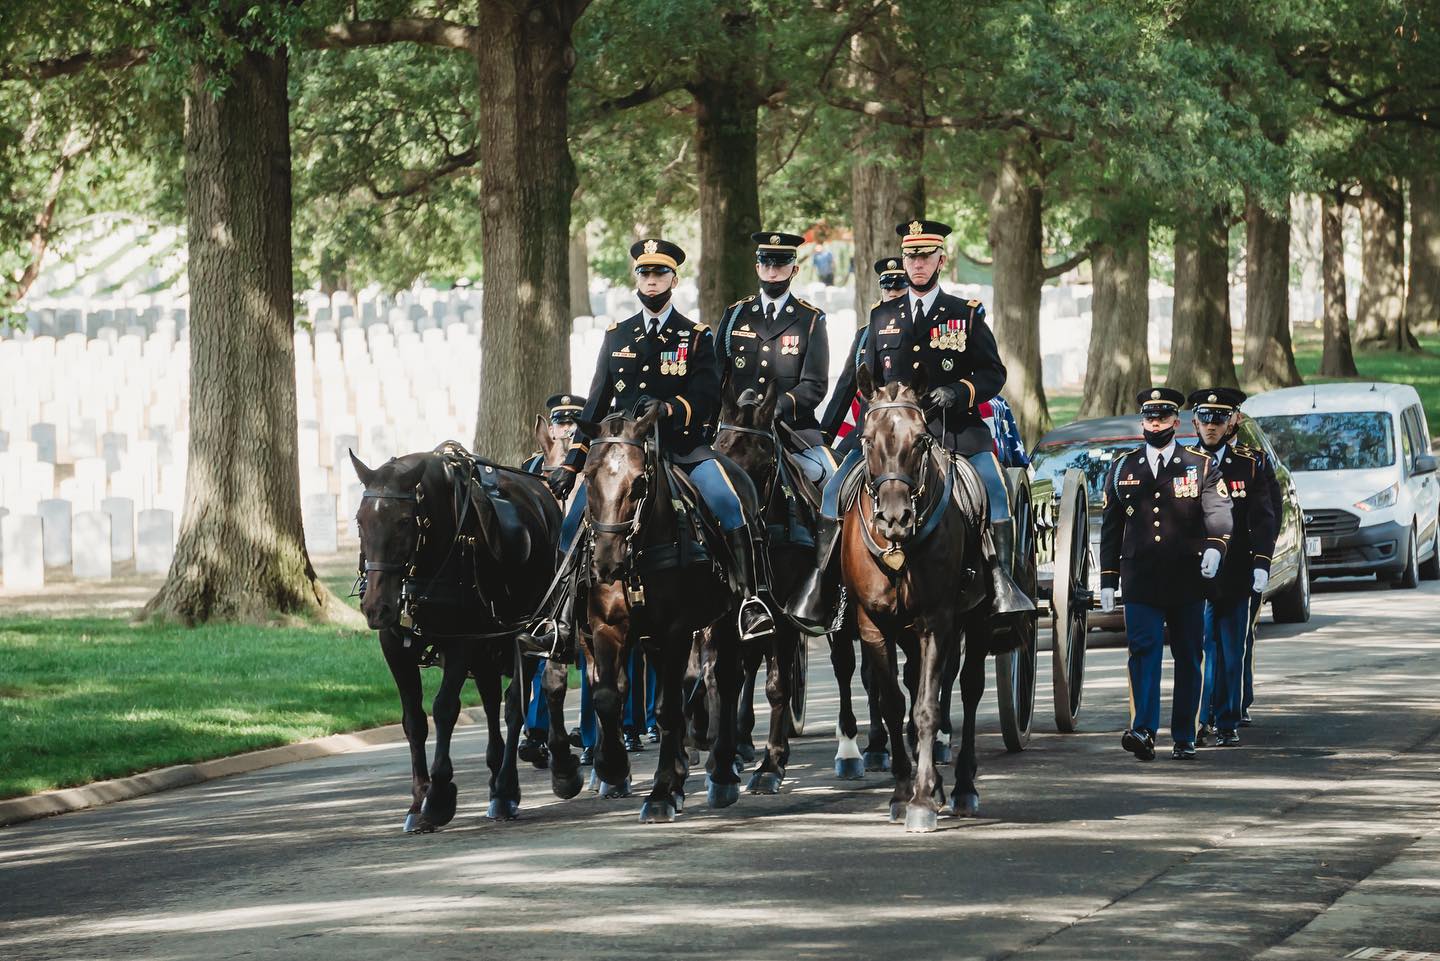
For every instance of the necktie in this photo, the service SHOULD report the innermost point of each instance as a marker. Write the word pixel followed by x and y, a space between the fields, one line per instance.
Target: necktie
pixel 770 313
pixel 919 313
pixel 654 326
pixel 1159 464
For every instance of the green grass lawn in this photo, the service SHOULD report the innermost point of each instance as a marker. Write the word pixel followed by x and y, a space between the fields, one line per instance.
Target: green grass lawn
pixel 83 699
pixel 1421 371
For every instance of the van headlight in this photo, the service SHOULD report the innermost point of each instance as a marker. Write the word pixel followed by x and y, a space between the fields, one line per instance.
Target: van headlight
pixel 1385 498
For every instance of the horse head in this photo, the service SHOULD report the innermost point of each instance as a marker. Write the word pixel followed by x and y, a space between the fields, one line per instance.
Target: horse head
pixel 552 449
pixel 618 478
pixel 897 449
pixel 746 432
pixel 389 533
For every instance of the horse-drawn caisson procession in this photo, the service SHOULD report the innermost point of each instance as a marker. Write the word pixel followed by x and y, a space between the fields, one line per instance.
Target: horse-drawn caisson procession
pixel 697 514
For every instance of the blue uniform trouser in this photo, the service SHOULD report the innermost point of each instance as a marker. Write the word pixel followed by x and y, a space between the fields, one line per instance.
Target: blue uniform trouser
pixel 1226 625
pixel 1249 696
pixel 640 699
pixel 537 717
pixel 817 464
pixel 716 488
pixel 589 729
pixel 1145 627
pixel 985 463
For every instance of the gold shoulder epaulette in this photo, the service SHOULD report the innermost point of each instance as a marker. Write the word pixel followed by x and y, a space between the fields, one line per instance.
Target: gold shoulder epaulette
pixel 872 307
pixel 613 325
pixel 701 328
pixel 806 303
pixel 973 303
pixel 743 300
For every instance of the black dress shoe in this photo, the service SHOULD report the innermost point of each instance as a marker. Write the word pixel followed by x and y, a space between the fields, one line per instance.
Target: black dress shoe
pixel 1139 743
pixel 1183 751
pixel 653 735
pixel 1202 736
pixel 1245 718
pixel 587 755
pixel 633 744
pixel 1228 739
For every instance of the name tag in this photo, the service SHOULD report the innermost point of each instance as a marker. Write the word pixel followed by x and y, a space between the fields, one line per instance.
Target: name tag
pixel 1124 482
pixel 743 333
pixel 890 330
pixel 627 352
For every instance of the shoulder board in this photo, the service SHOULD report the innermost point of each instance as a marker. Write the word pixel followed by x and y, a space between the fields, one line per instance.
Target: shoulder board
pixel 743 300
pixel 613 325
pixel 972 303
pixel 1194 449
pixel 872 307
pixel 1249 453
pixel 701 328
pixel 1200 453
pixel 806 303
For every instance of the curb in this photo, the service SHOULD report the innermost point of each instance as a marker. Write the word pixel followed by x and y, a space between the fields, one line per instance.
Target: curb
pixel 49 803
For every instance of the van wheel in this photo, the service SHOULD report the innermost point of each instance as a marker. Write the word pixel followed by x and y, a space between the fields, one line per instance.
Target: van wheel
pixel 1430 569
pixel 1292 605
pixel 1410 577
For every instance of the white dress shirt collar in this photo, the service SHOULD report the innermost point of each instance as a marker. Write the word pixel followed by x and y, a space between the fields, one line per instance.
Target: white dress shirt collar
pixel 927 299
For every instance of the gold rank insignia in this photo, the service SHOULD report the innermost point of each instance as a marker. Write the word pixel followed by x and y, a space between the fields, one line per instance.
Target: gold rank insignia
pixel 774 238
pixel 651 246
pixel 916 228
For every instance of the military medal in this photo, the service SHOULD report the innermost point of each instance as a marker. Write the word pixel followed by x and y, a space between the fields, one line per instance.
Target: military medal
pixel 934 337
pixel 947 364
pixel 679 367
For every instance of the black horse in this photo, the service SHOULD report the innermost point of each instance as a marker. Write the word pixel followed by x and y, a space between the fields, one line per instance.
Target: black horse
pixel 653 583
pixel 457 554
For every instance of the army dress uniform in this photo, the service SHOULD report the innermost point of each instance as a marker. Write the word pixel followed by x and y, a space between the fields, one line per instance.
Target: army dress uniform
pixel 1246 568
pixel 843 411
pixel 1159 526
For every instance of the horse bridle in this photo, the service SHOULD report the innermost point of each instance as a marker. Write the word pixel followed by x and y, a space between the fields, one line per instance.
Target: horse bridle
pixel 630 528
pixel 916 487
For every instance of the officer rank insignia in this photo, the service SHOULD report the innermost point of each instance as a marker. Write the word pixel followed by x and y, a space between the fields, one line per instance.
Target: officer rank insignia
pixel 948 335
pixel 673 361
pixel 790 344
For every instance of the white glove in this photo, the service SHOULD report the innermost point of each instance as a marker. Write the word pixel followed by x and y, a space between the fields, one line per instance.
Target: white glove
pixel 1210 563
pixel 1262 580
pixel 1107 599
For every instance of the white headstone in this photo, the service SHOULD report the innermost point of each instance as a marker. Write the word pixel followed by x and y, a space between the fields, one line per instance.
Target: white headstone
pixel 92 546
pixel 90 483
pixel 23 538
pixel 154 541
pixel 122 526
pixel 55 522
pixel 44 437
pixel 317 513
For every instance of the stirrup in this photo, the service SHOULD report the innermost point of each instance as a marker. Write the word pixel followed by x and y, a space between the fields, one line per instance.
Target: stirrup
pixel 748 604
pixel 542 637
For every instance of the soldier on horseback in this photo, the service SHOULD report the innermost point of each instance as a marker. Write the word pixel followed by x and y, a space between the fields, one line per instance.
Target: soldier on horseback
pixel 946 336
pixel 660 360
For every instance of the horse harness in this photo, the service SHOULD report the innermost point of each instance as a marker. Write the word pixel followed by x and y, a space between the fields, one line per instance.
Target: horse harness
pixel 892 557
pixel 794 531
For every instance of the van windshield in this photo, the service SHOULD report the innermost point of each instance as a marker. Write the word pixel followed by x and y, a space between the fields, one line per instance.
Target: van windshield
pixel 1352 440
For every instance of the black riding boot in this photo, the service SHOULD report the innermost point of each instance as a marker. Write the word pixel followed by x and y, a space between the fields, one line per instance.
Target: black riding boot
pixel 813 606
pixel 754 617
pixel 1009 598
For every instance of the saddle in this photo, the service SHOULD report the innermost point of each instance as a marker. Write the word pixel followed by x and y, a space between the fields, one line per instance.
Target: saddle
pixel 700 539
pixel 478 480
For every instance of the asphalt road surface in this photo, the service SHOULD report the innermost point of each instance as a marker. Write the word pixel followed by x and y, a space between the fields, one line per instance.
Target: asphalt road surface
pixel 1318 838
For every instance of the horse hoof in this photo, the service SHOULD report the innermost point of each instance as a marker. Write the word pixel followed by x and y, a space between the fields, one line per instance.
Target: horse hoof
pixel 594 781
pixel 746 752
pixel 850 768
pixel 694 758
pixel 501 809
pixel 965 805
pixel 608 790
pixel 412 823
pixel 738 766
pixel 877 760
pixel 941 753
pixel 657 812
pixel 920 820
pixel 678 800
pixel 764 782
pixel 721 795
pixel 438 808
pixel 566 787
pixel 897 812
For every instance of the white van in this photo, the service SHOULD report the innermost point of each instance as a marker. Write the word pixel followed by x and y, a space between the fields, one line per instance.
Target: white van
pixel 1360 456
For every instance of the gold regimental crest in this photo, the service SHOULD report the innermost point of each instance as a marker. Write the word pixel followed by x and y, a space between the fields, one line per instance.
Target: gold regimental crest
pixel 916 228
pixel 651 246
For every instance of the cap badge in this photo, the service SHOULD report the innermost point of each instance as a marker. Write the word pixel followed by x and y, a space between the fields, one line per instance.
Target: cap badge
pixel 774 238
pixel 1212 398
pixel 892 265
pixel 916 228
pixel 1154 395
pixel 651 246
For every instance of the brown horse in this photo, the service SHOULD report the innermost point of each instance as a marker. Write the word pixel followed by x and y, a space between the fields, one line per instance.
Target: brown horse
pixel 452 574
pixel 911 560
pixel 647 589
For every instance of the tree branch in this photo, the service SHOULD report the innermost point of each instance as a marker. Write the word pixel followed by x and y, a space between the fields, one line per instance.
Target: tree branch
pixel 415 181
pixel 650 91
pixel 1004 120
pixel 1067 265
pixel 976 260
pixel 433 32
pixel 122 58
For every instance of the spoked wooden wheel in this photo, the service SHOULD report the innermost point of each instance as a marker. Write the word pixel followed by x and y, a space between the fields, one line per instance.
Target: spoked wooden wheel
pixel 1015 669
pixel 1070 600
pixel 799 669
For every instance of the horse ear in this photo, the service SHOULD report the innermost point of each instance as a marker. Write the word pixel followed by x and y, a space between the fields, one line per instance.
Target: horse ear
pixel 865 381
pixel 542 434
pixel 920 383
pixel 361 471
pixel 410 476
pixel 766 415
pixel 587 427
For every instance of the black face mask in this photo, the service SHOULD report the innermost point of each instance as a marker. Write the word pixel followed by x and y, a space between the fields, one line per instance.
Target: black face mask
pixel 929 285
pixel 775 289
pixel 1159 438
pixel 654 302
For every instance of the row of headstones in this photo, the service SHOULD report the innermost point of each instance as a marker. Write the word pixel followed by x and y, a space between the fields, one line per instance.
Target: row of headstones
pixel 124 321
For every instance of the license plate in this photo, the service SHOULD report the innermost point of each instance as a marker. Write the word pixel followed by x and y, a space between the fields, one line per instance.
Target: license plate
pixel 1312 547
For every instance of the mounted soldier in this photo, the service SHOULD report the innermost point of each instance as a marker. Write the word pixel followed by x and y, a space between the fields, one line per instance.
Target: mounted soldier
pixel 659 361
pixel 775 337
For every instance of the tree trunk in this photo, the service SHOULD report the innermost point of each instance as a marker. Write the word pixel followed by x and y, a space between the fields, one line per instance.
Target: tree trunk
pixel 241 554
pixel 726 155
pixel 525 60
pixel 1015 196
pixel 1380 313
pixel 882 194
pixel 1202 353
pixel 1269 355
pixel 1118 364
pixel 579 273
pixel 1338 360
pixel 1422 301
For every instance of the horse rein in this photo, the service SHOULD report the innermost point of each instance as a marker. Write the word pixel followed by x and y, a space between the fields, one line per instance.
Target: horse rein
pixel 926 522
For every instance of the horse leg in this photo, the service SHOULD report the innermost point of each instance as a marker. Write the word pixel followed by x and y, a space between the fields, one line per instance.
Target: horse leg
pixel 877 746
pixel 722 783
pixel 405 668
pixel 949 671
pixel 745 718
pixel 565 778
pixel 771 772
pixel 667 797
pixel 912 684
pixel 505 801
pixel 439 807
pixel 849 766
pixel 965 802
pixel 488 683
pixel 697 687
pixel 920 815
pixel 892 699
pixel 609 683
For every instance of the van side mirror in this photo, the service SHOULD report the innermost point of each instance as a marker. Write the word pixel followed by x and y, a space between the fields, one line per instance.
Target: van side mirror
pixel 1424 464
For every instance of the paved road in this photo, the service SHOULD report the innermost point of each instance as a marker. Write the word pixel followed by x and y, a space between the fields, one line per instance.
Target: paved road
pixel 1320 837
